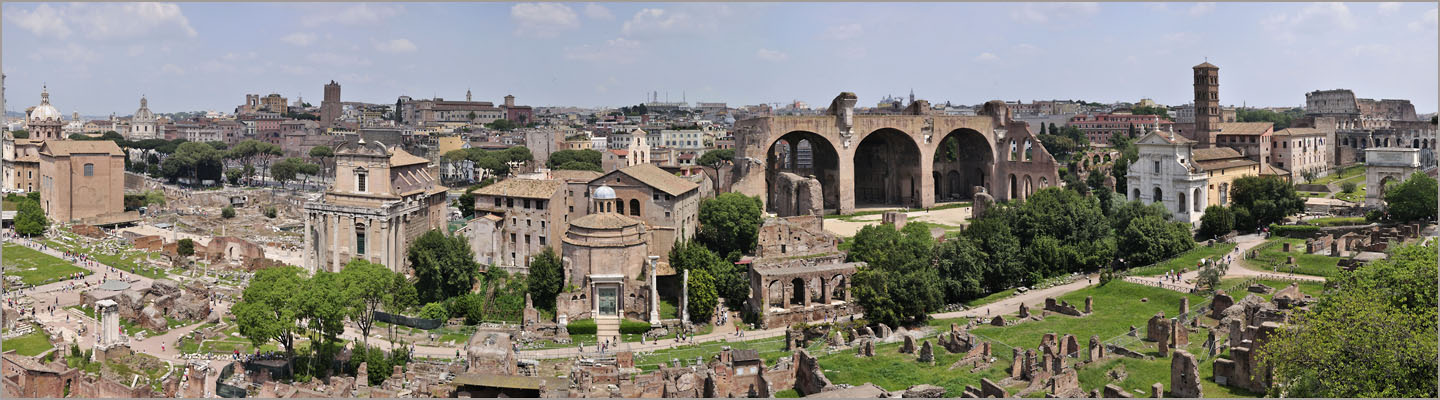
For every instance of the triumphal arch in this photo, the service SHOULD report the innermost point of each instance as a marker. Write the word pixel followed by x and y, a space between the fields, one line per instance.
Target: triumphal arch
pixel 913 159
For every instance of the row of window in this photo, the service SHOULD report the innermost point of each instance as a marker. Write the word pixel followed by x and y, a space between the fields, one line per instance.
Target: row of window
pixel 539 204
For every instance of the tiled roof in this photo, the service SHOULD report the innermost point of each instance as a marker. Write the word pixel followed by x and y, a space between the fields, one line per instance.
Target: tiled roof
pixel 1245 128
pixel 652 175
pixel 574 175
pixel 1225 163
pixel 1215 153
pixel 1299 132
pixel 68 147
pixel 400 157
pixel 1268 169
pixel 1206 64
pixel 527 188
pixel 604 221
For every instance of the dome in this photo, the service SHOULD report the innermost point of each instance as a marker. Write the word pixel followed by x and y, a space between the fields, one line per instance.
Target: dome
pixel 144 112
pixel 45 111
pixel 604 192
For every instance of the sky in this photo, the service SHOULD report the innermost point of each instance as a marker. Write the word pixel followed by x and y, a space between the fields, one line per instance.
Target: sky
pixel 98 58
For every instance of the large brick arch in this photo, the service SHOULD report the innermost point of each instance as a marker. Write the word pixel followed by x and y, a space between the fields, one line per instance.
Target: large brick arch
pixel 755 138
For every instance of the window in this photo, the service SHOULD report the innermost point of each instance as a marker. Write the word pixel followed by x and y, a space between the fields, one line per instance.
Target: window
pixel 525 203
pixel 497 201
pixel 1157 166
pixel 360 240
pixel 542 240
pixel 539 204
pixel 89 169
pixel 360 180
pixel 510 202
pixel 512 239
pixel 527 239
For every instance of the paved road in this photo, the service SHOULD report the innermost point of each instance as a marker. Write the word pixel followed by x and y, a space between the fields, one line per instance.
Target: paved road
pixel 1241 268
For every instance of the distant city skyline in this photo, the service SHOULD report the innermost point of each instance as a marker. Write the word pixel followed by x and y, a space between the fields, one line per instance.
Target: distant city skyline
pixel 100 58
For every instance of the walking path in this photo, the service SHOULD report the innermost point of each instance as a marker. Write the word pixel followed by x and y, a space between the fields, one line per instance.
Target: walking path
pixel 1240 268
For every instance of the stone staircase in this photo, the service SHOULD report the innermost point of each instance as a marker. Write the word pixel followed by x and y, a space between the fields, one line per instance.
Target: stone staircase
pixel 607 328
pixel 26 328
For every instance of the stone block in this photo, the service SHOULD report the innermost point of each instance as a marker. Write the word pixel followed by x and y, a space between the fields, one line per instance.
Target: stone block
pixel 908 346
pixel 927 352
pixel 1184 375
pixel 990 389
pixel 923 391
pixel 1113 391
pixel 1157 391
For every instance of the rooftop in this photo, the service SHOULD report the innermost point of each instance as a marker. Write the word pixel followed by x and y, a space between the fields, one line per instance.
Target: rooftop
pixel 1245 128
pixel 526 188
pixel 68 147
pixel 657 178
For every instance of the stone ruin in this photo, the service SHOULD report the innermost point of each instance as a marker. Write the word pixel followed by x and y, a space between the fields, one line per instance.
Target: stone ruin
pixel 895 219
pixel 149 306
pixel 1113 391
pixel 795 195
pixel 982 201
pixel 1243 368
pixel 1024 311
pixel 909 345
pixel 1184 375
pixel 927 353
pixel 1218 304
pixel 1064 307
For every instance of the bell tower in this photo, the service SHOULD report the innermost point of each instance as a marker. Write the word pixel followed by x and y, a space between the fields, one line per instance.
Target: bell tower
pixel 1207 103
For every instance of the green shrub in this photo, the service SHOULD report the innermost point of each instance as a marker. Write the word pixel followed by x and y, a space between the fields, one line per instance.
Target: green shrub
pixel 434 311
pixel 270 212
pixel 1294 231
pixel 1374 215
pixel 633 327
pixel 1348 187
pixel 582 327
pixel 227 212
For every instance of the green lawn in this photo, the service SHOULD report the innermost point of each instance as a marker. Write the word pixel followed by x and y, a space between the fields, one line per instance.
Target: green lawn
pixel 993 297
pixel 31 344
pixel 1310 288
pixel 668 309
pixel 787 394
pixel 1272 254
pixel 1347 173
pixel 36 268
pixel 9 205
pixel 1357 196
pixel 771 349
pixel 1186 260
pixel 1117 307
pixel 1336 221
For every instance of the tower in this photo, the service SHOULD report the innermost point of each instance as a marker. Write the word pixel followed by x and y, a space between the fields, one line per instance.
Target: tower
pixel 1207 103
pixel 43 120
pixel 509 101
pixel 467 96
pixel 330 105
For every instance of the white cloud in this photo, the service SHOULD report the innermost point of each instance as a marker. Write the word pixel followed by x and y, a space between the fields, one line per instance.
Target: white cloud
pixel 771 55
pixel 1037 13
pixel 1370 50
pixel 116 21
pixel 843 32
pixel 43 21
pixel 596 11
pixel 658 22
pixel 357 14
pixel 1313 19
pixel 618 50
pixel 1027 49
pixel 543 19
pixel 1179 38
pixel 337 60
pixel 1201 9
pixel 172 69
pixel 1388 8
pixel 301 39
pixel 70 53
pixel 295 69
pixel 853 53
pixel 395 46
pixel 1155 6
pixel 231 57
pixel 1426 22
pixel 986 57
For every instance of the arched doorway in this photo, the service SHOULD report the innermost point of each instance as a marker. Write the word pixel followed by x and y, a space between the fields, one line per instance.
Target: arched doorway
pixel 797 293
pixel 1199 205
pixel 1134 194
pixel 837 288
pixel 805 154
pixel 1180 203
pixel 1158 196
pixel 963 157
pixel 776 294
pixel 887 169
pixel 1014 187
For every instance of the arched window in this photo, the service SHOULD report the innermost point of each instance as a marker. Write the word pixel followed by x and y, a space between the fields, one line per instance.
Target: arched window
pixel 1014 152
pixel 1134 194
pixel 620 206
pixel 1180 202
pixel 1199 205
pixel 635 207
pixel 1157 196
pixel 1028 150
pixel 89 169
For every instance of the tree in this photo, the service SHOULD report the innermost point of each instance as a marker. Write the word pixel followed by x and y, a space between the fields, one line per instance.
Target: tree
pixel 228 212
pixel 284 171
pixel 1211 274
pixel 1075 226
pixel 897 284
pixel 30 218
pixel 1217 221
pixel 518 154
pixel 1412 200
pixel 1122 168
pixel 403 296
pixel 713 158
pixel 269 308
pixel 562 159
pixel 324 304
pixel 1268 199
pixel 1149 239
pixel 251 150
pixel 1347 187
pixel 185 247
pixel 546 279
pixel 702 301
pixel 729 279
pixel 197 161
pixel 322 154
pixel 20 134
pixel 579 166
pixel 444 266
pixel 729 222
pixel 368 286
pixel 270 212
pixel 1281 120
pixel 501 125
pixel 1373 335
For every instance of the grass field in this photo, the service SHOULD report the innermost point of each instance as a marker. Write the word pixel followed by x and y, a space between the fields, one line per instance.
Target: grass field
pixel 1185 260
pixel 1272 254
pixel 1117 307
pixel 31 344
pixel 770 349
pixel 1345 174
pixel 1336 221
pixel 1354 197
pixel 36 268
pixel 1310 288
